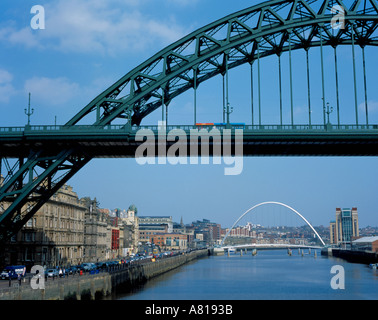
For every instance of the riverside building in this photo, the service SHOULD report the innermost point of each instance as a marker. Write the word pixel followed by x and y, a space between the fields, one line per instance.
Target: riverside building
pixel 69 231
pixel 53 236
pixel 345 227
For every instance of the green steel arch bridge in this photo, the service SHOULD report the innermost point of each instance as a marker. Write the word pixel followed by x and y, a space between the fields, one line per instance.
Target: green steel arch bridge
pixel 37 160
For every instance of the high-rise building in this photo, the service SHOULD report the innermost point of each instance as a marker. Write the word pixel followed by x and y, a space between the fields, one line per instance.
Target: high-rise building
pixel 345 227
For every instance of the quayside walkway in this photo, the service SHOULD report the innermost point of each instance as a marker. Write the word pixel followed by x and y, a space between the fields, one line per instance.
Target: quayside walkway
pixel 100 285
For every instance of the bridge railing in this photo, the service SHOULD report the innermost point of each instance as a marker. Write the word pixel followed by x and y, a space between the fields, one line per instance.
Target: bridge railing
pixel 266 127
pixel 11 129
pixel 61 129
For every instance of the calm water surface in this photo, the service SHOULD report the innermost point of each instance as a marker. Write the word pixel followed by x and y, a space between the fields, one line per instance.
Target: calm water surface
pixel 271 274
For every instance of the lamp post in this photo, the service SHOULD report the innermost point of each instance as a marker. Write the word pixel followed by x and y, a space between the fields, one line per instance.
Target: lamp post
pixel 28 112
pixel 328 112
pixel 228 112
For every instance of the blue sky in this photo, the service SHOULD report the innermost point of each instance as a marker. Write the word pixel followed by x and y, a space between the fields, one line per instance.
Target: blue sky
pixel 89 44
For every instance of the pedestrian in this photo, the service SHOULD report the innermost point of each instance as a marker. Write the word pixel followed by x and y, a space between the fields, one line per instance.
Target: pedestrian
pixel 10 278
pixel 19 279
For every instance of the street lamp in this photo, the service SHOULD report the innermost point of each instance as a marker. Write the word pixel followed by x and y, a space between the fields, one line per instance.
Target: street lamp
pixel 28 112
pixel 328 112
pixel 228 112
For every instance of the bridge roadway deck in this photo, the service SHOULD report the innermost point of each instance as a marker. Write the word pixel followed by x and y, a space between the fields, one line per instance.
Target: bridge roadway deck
pixel 267 246
pixel 116 141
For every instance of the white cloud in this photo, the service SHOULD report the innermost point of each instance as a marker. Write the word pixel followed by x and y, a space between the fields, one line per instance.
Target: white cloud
pixel 372 106
pixel 183 3
pixel 62 92
pixel 107 27
pixel 53 91
pixel 23 36
pixel 5 77
pixel 6 87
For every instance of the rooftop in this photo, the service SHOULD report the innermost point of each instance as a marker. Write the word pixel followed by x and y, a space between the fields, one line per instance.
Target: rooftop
pixel 155 217
pixel 366 239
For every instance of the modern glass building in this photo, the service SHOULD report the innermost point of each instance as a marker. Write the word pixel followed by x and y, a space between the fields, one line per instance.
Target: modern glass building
pixel 345 227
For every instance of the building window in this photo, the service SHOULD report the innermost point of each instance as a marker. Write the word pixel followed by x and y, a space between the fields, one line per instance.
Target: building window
pixel 29 236
pixel 28 254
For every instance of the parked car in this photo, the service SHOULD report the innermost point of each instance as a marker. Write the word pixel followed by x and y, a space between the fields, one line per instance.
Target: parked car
pixel 72 270
pixel 88 266
pixel 101 265
pixel 76 269
pixel 52 273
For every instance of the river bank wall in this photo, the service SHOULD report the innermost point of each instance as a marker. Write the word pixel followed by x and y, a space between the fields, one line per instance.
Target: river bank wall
pixel 352 255
pixel 98 286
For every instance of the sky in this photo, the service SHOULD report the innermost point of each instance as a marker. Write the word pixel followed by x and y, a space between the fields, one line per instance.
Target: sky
pixel 87 45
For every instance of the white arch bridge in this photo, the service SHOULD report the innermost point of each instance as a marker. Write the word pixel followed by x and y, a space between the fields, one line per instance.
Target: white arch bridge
pixel 272 246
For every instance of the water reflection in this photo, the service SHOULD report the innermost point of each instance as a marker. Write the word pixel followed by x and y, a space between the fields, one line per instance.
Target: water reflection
pixel 268 275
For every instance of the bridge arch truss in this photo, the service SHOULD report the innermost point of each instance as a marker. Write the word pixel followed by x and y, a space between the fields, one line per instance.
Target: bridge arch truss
pixel 276 203
pixel 270 28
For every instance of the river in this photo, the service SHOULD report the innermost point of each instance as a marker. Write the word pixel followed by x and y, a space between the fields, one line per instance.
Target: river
pixel 270 275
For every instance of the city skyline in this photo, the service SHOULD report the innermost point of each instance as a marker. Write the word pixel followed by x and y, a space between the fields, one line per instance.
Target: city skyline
pixel 76 57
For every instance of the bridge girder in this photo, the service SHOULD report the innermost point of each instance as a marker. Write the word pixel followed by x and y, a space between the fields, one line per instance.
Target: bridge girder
pixel 266 29
pixel 31 183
